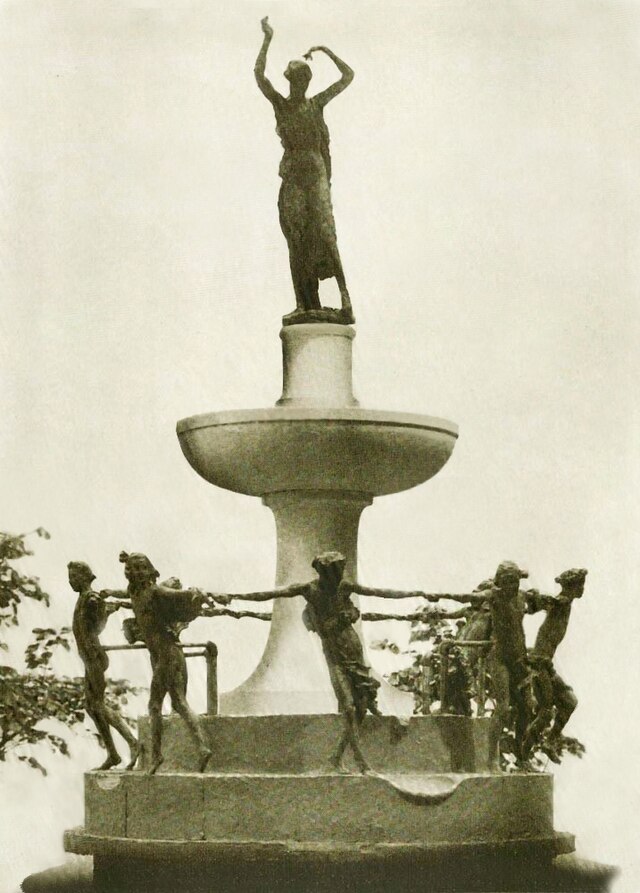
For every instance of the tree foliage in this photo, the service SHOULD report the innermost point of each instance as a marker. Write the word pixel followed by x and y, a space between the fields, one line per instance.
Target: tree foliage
pixel 14 586
pixel 30 699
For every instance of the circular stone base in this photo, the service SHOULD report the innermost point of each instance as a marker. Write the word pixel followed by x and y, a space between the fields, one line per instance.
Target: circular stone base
pixel 126 866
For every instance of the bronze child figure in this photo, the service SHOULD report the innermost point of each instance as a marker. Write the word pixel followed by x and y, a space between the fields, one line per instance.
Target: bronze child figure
pixel 89 619
pixel 157 610
pixel 304 203
pixel 555 700
pixel 508 665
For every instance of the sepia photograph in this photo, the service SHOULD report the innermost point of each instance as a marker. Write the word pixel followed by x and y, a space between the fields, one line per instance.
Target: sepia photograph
pixel 318 543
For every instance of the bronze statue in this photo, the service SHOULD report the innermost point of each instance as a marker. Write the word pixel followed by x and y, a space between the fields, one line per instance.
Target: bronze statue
pixel 89 619
pixel 304 203
pixel 331 614
pixel 157 610
pixel 508 666
pixel 555 700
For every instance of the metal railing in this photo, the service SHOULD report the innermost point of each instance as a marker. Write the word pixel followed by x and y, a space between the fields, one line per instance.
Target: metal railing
pixel 208 650
pixel 442 652
pixel 479 692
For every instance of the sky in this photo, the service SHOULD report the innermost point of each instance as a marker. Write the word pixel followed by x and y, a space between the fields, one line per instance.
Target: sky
pixel 486 197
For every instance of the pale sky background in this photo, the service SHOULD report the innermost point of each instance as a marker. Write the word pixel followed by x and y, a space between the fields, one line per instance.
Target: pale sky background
pixel 487 197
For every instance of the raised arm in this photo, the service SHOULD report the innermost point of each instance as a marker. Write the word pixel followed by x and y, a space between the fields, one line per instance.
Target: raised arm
pixel 263 81
pixel 535 601
pixel 346 75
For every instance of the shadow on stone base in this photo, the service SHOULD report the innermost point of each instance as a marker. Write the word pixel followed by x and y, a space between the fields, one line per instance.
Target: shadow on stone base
pixel 515 870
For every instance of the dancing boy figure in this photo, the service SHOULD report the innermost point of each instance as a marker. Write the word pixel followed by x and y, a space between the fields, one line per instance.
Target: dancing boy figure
pixel 89 619
pixel 555 700
pixel 508 656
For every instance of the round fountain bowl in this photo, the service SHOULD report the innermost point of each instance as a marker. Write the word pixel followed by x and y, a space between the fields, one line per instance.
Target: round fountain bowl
pixel 261 451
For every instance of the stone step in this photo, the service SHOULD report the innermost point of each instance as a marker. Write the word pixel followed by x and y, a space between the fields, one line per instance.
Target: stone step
pixel 301 744
pixel 438 809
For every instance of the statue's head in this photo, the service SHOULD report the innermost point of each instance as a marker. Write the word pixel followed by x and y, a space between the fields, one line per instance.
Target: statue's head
pixel 329 566
pixel 508 575
pixel 298 73
pixel 572 581
pixel 138 568
pixel 80 575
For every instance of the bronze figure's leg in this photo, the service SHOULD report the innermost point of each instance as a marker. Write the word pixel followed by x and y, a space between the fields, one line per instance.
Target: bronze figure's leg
pixel 347 309
pixel 293 205
pixel 565 702
pixel 501 713
pixel 520 702
pixel 178 694
pixel 543 691
pixel 352 719
pixel 117 722
pixel 157 692
pixel 94 686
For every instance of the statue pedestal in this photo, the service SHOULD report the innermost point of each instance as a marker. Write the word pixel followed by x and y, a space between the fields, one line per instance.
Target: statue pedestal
pixel 270 814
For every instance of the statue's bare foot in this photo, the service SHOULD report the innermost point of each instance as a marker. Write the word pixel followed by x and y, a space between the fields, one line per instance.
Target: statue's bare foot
pixel 553 754
pixel 338 765
pixel 135 753
pixel 399 727
pixel 113 759
pixel 155 765
pixel 346 316
pixel 572 745
pixel 205 756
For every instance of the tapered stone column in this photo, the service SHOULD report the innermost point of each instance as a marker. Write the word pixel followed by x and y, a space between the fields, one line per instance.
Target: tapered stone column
pixel 292 676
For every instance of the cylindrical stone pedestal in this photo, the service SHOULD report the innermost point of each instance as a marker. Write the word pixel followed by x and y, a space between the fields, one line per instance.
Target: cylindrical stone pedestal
pixel 316 365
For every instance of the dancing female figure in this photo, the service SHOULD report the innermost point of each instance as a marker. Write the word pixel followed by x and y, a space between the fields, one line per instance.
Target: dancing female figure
pixel 304 203
pixel 157 610
pixel 330 613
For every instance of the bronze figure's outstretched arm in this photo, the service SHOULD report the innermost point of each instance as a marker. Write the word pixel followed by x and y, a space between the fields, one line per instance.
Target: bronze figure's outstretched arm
pixel 433 614
pixel 263 81
pixel 358 589
pixel 340 85
pixel 287 592
pixel 472 598
pixel 112 605
pixel 120 594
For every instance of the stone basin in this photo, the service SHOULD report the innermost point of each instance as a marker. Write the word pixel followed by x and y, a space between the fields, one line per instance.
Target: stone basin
pixel 262 451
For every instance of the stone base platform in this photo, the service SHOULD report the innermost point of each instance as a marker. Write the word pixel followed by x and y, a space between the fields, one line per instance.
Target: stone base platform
pixel 525 866
pixel 332 809
pixel 270 814
pixel 293 744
